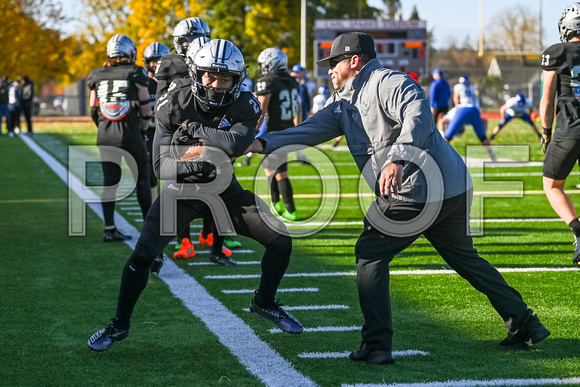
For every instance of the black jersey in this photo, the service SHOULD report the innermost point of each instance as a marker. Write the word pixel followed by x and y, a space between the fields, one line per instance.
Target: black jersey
pixel 284 101
pixel 169 68
pixel 116 87
pixel 231 128
pixel 564 58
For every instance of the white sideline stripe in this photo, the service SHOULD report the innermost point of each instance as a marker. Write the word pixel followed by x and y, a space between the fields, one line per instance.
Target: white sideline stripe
pixel 335 355
pixel 211 263
pixel 256 355
pixel 477 383
pixel 130 208
pixel 288 290
pixel 322 329
pixel 397 272
pixel 499 220
pixel 311 307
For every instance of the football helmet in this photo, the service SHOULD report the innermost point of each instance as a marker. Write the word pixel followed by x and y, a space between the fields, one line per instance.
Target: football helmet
pixel 324 90
pixel 272 59
pixel 153 53
pixel 464 80
pixel 186 31
pixel 521 99
pixel 222 57
pixel 569 21
pixel 193 47
pixel 121 46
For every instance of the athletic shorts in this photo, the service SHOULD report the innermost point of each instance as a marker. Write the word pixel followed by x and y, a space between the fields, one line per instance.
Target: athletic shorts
pixel 507 118
pixel 561 156
pixel 465 116
pixel 273 160
pixel 440 110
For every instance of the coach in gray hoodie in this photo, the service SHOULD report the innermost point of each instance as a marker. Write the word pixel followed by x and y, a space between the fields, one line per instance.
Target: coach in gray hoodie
pixel 422 185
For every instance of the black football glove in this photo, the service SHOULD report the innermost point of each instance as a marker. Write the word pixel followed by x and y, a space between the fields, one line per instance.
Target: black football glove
pixel 545 140
pixel 184 135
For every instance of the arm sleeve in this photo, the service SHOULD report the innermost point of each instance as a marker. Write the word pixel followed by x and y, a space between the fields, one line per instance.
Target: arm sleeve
pixel 233 141
pixel 319 128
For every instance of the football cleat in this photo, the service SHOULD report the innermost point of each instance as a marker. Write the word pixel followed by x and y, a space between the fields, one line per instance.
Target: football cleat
pixel 103 339
pixel 291 216
pixel 206 242
pixel 186 250
pixel 114 235
pixel 157 264
pixel 283 320
pixel 531 333
pixel 222 259
pixel 231 243
pixel 277 208
pixel 370 356
pixel 576 258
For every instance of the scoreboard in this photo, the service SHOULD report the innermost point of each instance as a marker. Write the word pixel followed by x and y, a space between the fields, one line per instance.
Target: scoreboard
pixel 400 44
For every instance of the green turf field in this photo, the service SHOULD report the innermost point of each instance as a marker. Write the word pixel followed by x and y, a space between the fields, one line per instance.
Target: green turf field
pixel 58 290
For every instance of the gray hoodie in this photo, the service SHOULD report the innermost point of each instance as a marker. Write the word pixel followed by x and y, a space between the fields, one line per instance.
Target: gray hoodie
pixel 385 116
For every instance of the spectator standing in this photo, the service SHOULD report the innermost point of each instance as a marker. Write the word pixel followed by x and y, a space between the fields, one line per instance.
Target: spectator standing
pixel 27 104
pixel 14 100
pixel 439 94
pixel 4 112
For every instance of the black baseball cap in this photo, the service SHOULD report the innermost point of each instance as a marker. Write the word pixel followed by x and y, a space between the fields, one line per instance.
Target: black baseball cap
pixel 349 43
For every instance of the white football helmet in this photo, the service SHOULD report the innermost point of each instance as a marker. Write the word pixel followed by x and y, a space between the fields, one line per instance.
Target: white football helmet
pixel 153 53
pixel 569 21
pixel 192 49
pixel 217 56
pixel 272 59
pixel 121 46
pixel 186 31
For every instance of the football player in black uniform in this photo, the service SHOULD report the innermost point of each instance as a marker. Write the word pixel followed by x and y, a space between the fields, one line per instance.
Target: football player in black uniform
pixel 216 113
pixel 151 57
pixel 120 108
pixel 561 70
pixel 172 67
pixel 278 92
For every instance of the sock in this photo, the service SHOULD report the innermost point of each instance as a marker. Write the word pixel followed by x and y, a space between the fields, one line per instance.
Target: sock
pixel 133 282
pixel 575 227
pixel 108 213
pixel 287 194
pixel 207 227
pixel 274 191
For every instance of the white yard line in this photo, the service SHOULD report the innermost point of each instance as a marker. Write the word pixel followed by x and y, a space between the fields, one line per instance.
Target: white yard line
pixel 281 290
pixel 256 355
pixel 337 355
pixel 482 383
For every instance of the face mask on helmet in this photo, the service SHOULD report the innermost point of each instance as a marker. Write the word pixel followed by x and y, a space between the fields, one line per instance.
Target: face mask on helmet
pixel 521 100
pixel 186 31
pixel 121 46
pixel 217 57
pixel 272 59
pixel 153 53
pixel 569 22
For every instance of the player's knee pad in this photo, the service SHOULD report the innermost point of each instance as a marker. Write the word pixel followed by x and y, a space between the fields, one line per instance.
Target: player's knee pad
pixel 282 245
pixel 142 258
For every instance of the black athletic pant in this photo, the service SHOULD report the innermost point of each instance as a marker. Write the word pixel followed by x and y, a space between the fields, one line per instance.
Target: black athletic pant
pixel 448 234
pixel 27 113
pixel 242 206
pixel 112 176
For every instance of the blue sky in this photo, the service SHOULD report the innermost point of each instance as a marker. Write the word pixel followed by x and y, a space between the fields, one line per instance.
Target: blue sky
pixel 450 19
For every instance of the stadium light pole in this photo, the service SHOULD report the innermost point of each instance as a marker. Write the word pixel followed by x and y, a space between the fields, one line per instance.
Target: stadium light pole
pixel 303 33
pixel 480 52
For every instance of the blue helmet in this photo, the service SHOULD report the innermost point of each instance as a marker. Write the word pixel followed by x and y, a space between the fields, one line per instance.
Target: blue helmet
pixel 521 99
pixel 464 80
pixel 324 90
pixel 297 68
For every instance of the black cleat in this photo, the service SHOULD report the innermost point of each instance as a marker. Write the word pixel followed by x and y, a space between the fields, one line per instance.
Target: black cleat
pixel 157 264
pixel 576 257
pixel 371 356
pixel 115 235
pixel 103 339
pixel 531 333
pixel 283 320
pixel 222 259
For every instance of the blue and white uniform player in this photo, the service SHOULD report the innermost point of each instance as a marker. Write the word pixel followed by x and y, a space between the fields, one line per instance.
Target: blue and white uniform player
pixel 515 107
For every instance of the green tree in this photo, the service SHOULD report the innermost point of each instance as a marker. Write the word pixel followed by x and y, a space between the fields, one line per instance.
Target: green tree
pixel 414 14
pixel 393 7
pixel 30 42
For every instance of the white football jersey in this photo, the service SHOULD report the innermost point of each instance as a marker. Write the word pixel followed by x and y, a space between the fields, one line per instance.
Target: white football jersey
pixel 467 95
pixel 515 110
